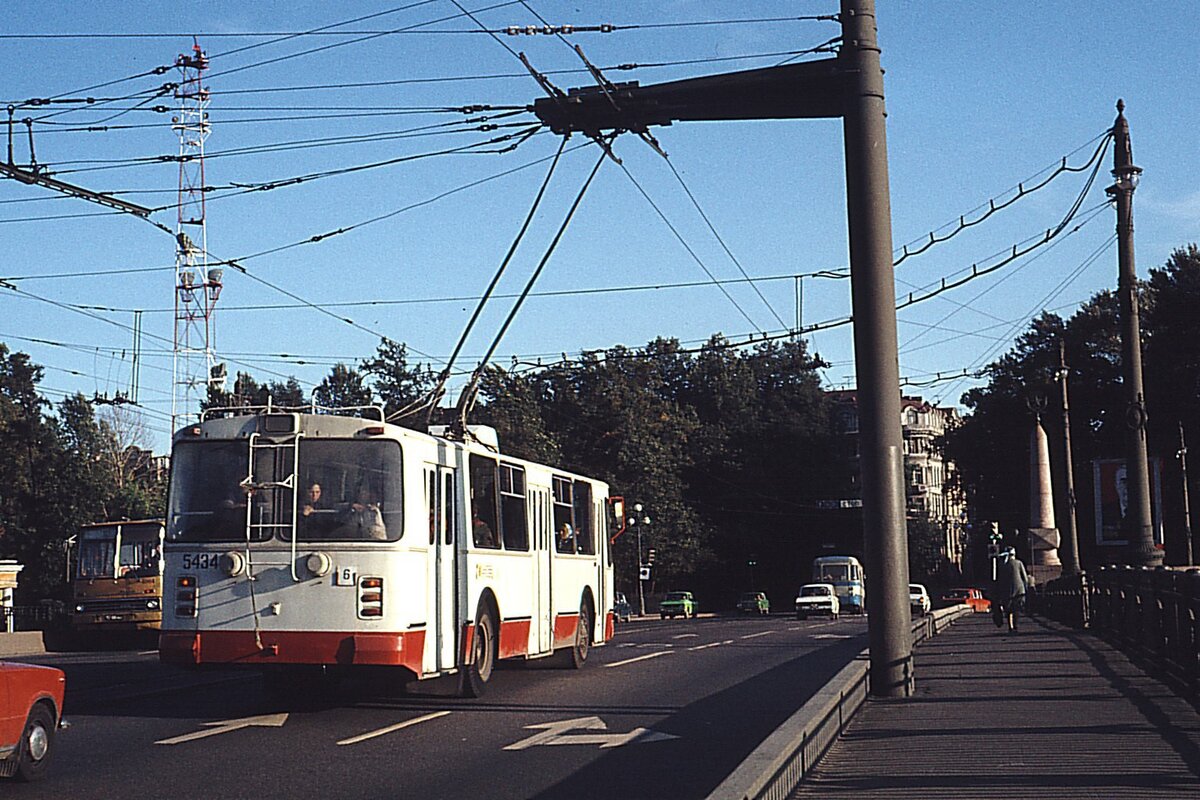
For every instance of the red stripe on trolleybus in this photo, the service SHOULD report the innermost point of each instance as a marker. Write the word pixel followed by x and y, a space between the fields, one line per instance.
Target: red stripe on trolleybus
pixel 564 629
pixel 514 638
pixel 293 647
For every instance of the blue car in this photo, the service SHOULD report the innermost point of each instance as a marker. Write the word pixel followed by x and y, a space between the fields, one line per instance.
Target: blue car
pixel 622 611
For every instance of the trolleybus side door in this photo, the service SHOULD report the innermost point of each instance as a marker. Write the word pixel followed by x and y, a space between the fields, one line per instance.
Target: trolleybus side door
pixel 441 503
pixel 539 511
pixel 448 530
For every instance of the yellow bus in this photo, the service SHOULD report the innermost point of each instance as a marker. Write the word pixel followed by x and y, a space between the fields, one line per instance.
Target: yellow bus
pixel 118 576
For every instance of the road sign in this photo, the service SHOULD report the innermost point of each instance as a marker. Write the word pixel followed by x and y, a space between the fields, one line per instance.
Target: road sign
pixel 644 573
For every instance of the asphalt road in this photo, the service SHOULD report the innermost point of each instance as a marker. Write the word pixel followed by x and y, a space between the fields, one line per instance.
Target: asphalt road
pixel 665 710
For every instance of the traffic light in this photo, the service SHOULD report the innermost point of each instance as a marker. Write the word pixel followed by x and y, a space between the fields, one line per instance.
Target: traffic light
pixel 650 556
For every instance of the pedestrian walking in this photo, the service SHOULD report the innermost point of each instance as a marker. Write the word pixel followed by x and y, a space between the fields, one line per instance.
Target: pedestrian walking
pixel 1009 591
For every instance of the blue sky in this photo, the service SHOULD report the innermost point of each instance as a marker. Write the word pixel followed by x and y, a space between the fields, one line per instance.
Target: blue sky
pixel 981 97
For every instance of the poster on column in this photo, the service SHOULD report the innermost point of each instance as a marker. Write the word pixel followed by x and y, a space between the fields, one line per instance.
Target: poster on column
pixel 1111 497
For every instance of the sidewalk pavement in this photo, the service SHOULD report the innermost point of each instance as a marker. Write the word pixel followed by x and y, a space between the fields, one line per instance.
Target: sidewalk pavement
pixel 1048 713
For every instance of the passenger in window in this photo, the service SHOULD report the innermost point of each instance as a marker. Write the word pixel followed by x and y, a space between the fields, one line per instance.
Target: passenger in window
pixel 481 532
pixel 369 516
pixel 565 541
pixel 313 501
pixel 363 519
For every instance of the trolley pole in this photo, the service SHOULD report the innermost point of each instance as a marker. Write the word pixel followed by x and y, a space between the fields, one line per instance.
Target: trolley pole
pixel 875 351
pixel 1070 535
pixel 1137 525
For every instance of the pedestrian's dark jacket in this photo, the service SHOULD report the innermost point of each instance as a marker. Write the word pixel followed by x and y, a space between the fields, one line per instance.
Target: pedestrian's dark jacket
pixel 1011 579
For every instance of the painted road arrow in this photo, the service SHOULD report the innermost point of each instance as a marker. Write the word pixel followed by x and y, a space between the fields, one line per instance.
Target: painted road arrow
pixel 225 726
pixel 553 733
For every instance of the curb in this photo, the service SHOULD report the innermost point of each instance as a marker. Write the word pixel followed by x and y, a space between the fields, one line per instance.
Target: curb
pixel 22 643
pixel 786 756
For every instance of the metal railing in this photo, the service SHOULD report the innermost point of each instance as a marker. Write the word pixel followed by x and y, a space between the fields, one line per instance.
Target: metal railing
pixel 39 617
pixel 1152 614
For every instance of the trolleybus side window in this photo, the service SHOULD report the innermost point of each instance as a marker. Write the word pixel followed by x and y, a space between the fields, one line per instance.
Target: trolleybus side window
pixel 512 508
pixel 361 490
pixel 431 502
pixel 564 522
pixel 584 541
pixel 449 518
pixel 206 502
pixel 483 502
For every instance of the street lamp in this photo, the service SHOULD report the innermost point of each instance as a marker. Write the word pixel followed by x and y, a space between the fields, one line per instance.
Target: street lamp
pixel 643 570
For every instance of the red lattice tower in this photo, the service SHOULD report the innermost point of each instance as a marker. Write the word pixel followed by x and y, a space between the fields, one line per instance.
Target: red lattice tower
pixel 197 286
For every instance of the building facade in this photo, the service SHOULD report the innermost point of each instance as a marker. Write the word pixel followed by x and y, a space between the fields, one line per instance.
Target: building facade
pixel 931 490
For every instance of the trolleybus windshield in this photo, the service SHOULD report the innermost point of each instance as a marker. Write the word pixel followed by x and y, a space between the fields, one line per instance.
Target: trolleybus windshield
pixel 339 490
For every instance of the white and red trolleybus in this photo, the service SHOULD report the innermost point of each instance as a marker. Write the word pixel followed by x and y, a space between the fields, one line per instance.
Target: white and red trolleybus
pixel 301 538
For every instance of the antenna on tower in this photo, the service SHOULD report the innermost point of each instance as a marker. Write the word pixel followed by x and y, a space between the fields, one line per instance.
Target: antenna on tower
pixel 197 286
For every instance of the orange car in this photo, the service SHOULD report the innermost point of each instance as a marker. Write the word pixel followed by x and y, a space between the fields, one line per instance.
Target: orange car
pixel 31 701
pixel 972 597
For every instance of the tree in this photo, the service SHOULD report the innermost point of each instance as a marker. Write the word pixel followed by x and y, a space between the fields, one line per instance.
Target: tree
pixel 343 388
pixel 249 392
pixel 398 384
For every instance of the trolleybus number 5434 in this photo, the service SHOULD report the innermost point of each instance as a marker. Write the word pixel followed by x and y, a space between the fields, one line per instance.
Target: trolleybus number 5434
pixel 201 560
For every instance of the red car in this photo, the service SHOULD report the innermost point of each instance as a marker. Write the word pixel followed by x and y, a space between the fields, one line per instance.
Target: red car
pixel 31 701
pixel 972 597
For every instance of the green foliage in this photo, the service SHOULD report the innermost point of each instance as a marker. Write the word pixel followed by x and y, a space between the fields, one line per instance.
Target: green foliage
pixel 926 555
pixel 247 391
pixel 721 448
pixel 398 384
pixel 344 387
pixel 991 448
pixel 60 471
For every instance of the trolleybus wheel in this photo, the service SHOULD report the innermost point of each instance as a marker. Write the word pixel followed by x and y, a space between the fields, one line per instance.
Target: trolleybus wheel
pixel 478 672
pixel 36 745
pixel 583 637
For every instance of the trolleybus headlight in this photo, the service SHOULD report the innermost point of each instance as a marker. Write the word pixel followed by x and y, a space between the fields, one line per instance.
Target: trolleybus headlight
pixel 319 564
pixel 79 608
pixel 233 563
pixel 152 605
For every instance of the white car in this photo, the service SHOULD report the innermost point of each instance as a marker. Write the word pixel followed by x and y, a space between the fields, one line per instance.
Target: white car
pixel 918 599
pixel 817 599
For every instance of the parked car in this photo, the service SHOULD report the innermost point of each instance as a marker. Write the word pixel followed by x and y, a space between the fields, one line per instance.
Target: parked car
pixel 754 603
pixel 622 611
pixel 817 599
pixel 678 604
pixel 971 596
pixel 918 599
pixel 31 701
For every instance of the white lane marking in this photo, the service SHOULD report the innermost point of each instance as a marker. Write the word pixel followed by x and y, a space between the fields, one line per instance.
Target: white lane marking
pixel 640 658
pixel 148 653
pixel 710 644
pixel 552 733
pixel 760 633
pixel 227 725
pixel 686 636
pixel 832 636
pixel 362 737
